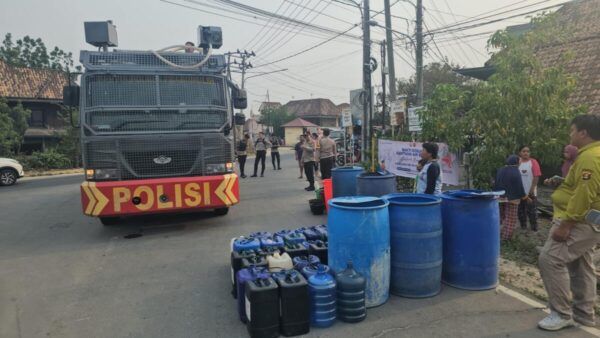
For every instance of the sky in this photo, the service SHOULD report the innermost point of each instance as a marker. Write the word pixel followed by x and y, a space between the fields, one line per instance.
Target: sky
pixel 329 70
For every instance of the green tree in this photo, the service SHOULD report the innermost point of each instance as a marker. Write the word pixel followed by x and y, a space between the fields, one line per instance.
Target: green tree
pixel 13 123
pixel 275 117
pixel 31 52
pixel 524 102
pixel 434 74
pixel 69 144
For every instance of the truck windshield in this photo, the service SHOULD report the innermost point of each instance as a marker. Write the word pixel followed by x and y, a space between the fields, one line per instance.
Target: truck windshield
pixel 122 102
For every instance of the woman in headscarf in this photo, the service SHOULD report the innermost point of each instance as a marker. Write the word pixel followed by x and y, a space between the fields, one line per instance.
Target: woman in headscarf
pixel 570 154
pixel 508 179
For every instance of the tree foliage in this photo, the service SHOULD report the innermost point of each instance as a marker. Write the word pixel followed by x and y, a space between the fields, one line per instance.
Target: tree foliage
pixel 33 53
pixel 434 74
pixel 275 117
pixel 13 123
pixel 524 102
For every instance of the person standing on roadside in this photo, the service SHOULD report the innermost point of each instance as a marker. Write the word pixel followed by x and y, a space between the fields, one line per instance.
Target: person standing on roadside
pixel 565 261
pixel 315 140
pixel 275 152
pixel 298 150
pixel 260 146
pixel 429 180
pixel 326 154
pixel 508 179
pixel 570 155
pixel 242 153
pixel 308 160
pixel 530 175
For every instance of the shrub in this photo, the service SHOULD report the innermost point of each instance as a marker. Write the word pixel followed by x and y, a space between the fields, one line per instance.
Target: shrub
pixel 50 159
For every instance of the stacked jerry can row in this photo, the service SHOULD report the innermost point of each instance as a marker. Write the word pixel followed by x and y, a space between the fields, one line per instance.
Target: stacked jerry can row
pixel 283 291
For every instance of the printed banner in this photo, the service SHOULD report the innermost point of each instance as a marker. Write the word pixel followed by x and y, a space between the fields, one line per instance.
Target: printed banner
pixel 401 159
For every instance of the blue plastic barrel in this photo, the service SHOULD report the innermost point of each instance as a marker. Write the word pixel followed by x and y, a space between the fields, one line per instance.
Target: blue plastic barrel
pixel 377 184
pixel 359 231
pixel 471 236
pixel 344 180
pixel 416 244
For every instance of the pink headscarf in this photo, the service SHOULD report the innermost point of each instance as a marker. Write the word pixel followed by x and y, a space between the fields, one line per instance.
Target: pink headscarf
pixel 572 151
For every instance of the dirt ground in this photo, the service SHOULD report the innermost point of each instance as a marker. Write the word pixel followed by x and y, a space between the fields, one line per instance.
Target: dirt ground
pixel 518 265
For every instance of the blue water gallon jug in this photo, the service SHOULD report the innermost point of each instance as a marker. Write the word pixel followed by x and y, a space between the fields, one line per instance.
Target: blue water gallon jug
pixel 243 276
pixel 322 290
pixel 351 306
pixel 301 261
pixel 322 230
pixel 260 234
pixel 295 250
pixel 271 242
pixel 294 238
pixel 312 269
pixel 309 233
pixel 242 244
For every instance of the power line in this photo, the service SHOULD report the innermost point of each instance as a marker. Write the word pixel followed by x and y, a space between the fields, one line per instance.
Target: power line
pixel 325 15
pixel 294 14
pixel 458 26
pixel 309 48
pixel 263 27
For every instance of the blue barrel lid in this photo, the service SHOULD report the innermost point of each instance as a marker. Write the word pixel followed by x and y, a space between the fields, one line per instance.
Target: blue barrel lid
pixel 358 203
pixel 471 194
pixel 409 199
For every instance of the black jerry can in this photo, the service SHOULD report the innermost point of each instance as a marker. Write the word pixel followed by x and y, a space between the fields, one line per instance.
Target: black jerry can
pixel 319 248
pixel 262 308
pixel 295 250
pixel 236 265
pixel 295 303
pixel 258 261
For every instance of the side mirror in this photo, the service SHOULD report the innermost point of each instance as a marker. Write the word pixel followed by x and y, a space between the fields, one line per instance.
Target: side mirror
pixel 71 95
pixel 240 99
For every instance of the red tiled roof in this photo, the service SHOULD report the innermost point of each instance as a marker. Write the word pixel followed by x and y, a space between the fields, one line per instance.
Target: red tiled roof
pixel 299 123
pixel 581 19
pixel 31 83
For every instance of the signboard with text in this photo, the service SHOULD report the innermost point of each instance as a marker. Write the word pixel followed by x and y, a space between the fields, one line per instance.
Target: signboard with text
pixel 397 110
pixel 414 120
pixel 346 117
pixel 401 159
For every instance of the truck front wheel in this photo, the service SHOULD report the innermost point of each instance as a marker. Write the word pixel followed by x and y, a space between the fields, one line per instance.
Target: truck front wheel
pixel 221 211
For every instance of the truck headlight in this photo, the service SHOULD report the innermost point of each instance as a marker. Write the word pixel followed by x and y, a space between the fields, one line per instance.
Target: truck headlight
pixel 219 168
pixel 101 174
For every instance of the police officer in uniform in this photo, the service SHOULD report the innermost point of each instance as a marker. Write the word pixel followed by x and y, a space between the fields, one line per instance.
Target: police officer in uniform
pixel 242 153
pixel 566 260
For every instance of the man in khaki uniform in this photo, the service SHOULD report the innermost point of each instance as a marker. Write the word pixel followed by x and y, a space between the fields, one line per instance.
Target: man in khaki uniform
pixel 566 260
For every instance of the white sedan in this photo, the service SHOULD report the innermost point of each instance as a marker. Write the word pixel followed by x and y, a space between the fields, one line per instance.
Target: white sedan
pixel 10 171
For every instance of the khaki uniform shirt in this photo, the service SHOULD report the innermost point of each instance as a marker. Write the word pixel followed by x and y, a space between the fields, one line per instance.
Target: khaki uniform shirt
pixel 327 147
pixel 308 152
pixel 580 191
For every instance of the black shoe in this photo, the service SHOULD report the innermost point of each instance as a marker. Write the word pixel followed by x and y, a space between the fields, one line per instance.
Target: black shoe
pixel 253 175
pixel 278 168
pixel 309 188
pixel 243 176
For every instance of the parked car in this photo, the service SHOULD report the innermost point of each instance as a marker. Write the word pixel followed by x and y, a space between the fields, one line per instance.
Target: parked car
pixel 10 171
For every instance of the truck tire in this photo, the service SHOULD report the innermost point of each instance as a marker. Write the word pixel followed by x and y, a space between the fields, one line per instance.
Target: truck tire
pixel 221 211
pixel 109 221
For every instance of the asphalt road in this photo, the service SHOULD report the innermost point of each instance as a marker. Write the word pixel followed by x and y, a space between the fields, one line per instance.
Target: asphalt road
pixel 64 275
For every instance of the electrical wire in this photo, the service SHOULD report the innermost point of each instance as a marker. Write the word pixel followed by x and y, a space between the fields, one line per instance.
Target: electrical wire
pixel 263 27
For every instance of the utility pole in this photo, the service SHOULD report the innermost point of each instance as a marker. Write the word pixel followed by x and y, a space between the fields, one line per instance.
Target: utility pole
pixel 383 107
pixel 390 50
pixel 366 79
pixel 419 52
